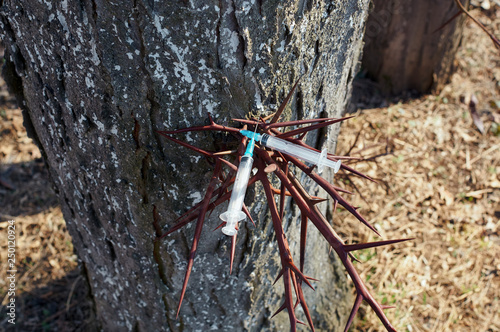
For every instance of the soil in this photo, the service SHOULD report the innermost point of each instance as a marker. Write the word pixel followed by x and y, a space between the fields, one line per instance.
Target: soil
pixel 436 161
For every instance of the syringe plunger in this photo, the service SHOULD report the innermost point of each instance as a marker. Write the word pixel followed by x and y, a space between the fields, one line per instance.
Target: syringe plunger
pixel 234 211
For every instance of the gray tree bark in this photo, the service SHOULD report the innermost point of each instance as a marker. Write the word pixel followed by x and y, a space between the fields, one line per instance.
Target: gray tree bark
pixel 97 78
pixel 404 49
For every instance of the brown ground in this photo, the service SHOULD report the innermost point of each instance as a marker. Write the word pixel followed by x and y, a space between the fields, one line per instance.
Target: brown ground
pixel 50 293
pixel 439 181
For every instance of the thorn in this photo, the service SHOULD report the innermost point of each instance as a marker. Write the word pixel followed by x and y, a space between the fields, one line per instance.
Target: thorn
pixel 223 153
pixel 317 200
pixel 297 302
pixel 311 278
pixel 279 310
pixel 297 122
pixel 245 210
pixel 354 310
pixel 303 304
pixel 197 232
pixel 278 277
pixel 266 118
pixel 304 130
pixel 300 275
pixel 353 258
pixel 353 171
pixel 353 211
pixel 303 237
pixel 301 322
pixel 233 249
pixel 283 104
pixel 222 224
pixel 278 192
pixel 282 201
pixel 359 246
pixel 247 121
pixel 387 306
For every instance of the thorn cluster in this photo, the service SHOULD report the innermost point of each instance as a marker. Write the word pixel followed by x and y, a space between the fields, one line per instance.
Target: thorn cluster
pixel 268 161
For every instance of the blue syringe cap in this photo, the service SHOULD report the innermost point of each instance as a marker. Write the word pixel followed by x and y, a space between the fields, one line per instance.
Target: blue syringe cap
pixel 249 150
pixel 251 134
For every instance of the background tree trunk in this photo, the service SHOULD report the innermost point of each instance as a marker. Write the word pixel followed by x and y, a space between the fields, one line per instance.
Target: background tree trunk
pixel 404 51
pixel 95 80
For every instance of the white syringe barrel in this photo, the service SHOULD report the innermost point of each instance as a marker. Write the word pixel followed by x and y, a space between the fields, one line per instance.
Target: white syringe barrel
pixel 234 211
pixel 295 150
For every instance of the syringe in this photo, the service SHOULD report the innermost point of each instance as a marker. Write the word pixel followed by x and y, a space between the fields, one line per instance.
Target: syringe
pixel 317 158
pixel 234 211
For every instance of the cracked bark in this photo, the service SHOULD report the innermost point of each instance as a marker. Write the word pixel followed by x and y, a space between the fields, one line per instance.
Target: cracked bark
pixel 404 49
pixel 96 79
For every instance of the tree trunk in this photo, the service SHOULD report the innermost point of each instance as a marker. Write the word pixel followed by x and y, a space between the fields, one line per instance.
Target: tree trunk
pixel 96 79
pixel 403 50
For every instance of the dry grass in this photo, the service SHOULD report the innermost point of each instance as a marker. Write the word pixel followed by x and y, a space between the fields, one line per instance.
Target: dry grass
pixel 438 182
pixel 50 292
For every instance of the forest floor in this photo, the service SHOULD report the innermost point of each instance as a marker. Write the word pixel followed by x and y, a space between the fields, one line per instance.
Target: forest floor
pixel 438 182
pixel 50 292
